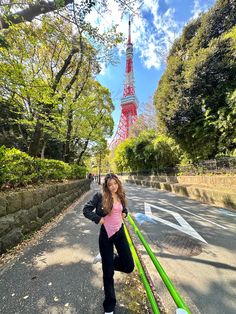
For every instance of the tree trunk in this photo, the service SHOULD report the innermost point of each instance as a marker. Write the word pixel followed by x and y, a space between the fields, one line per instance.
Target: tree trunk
pixel 35 142
pixel 83 151
pixel 99 168
pixel 66 156
pixel 43 149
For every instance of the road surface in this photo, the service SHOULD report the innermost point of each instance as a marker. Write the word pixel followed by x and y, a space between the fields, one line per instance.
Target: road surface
pixel 196 245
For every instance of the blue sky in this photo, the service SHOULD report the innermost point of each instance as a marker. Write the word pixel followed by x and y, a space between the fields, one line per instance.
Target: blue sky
pixel 154 29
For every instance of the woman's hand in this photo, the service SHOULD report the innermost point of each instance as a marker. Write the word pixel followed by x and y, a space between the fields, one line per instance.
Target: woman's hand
pixel 101 221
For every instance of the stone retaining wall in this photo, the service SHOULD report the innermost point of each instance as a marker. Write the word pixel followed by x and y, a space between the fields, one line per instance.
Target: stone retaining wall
pixel 27 210
pixel 216 180
pixel 217 190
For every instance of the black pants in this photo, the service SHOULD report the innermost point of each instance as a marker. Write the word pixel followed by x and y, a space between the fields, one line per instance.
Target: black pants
pixel 122 262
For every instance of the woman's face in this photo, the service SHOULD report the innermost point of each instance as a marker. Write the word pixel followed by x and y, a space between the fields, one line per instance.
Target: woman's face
pixel 112 185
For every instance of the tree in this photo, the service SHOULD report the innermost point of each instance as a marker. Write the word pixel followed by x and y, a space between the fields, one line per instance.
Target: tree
pixel 147 153
pixel 26 10
pixel 100 151
pixel 92 120
pixel 40 74
pixel 47 81
pixel 193 94
pixel 12 134
pixel 146 120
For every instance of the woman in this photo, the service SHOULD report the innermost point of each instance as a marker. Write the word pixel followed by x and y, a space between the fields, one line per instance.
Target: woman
pixel 111 208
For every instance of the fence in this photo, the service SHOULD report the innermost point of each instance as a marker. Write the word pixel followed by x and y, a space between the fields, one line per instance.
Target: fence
pixel 215 166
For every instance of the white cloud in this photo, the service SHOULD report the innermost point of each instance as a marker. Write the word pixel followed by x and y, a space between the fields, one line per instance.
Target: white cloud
pixel 104 70
pixel 196 9
pixel 160 32
pixel 152 37
pixel 200 6
pixel 169 2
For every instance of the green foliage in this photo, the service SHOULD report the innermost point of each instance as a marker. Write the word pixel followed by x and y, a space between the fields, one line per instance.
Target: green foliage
pixel 18 168
pixel 194 98
pixel 52 106
pixel 148 152
pixel 3 42
pixel 49 169
pixel 225 124
pixel 91 118
pixel 167 153
pixel 59 3
pixel 124 155
pixel 77 172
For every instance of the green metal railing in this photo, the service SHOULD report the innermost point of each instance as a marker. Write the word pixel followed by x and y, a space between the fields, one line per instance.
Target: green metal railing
pixel 173 292
pixel 142 275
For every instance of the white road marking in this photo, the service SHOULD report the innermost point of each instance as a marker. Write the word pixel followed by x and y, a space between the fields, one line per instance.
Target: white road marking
pixel 214 223
pixel 183 226
pixel 226 212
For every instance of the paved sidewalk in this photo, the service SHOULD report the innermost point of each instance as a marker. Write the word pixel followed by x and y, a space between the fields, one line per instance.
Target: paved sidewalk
pixel 57 274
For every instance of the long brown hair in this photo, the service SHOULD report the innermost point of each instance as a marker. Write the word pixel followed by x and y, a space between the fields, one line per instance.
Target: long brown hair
pixel 107 200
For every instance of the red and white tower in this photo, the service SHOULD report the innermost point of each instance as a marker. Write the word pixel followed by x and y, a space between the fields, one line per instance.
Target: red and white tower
pixel 129 100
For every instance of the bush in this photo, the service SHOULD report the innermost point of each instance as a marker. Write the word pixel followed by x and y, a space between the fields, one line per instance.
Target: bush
pixel 18 168
pixel 77 172
pixel 50 169
pixel 147 153
pixel 166 151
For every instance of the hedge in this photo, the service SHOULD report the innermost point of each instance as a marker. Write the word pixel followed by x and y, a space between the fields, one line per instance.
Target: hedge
pixel 18 168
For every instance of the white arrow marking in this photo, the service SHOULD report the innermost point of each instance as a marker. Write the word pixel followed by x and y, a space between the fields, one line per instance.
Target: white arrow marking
pixel 200 217
pixel 183 225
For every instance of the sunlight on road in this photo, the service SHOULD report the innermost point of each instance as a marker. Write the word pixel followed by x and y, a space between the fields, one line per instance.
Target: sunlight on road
pixel 63 256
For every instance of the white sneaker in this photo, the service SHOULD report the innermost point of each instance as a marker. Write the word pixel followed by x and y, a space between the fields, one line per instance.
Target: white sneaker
pixel 109 312
pixel 97 259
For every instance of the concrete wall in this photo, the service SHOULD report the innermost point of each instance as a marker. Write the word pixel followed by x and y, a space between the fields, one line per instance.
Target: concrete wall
pixel 218 190
pixel 27 210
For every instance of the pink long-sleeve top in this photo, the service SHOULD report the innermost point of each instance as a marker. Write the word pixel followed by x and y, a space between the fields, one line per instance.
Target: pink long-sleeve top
pixel 113 221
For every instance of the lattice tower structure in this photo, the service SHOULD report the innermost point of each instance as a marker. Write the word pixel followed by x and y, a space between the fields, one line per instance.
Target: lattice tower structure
pixel 129 102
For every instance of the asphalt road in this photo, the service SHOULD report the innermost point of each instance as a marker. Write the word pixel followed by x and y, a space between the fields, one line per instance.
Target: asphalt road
pixel 195 244
pixel 55 274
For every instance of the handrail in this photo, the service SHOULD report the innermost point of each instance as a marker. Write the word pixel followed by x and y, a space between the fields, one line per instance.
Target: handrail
pixel 175 295
pixel 142 274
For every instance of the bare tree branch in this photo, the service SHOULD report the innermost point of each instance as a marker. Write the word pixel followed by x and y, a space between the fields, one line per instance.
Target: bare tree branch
pixel 33 10
pixel 64 67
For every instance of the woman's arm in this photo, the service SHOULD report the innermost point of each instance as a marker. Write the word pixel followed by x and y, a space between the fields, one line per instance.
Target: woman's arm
pixel 89 207
pixel 125 212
